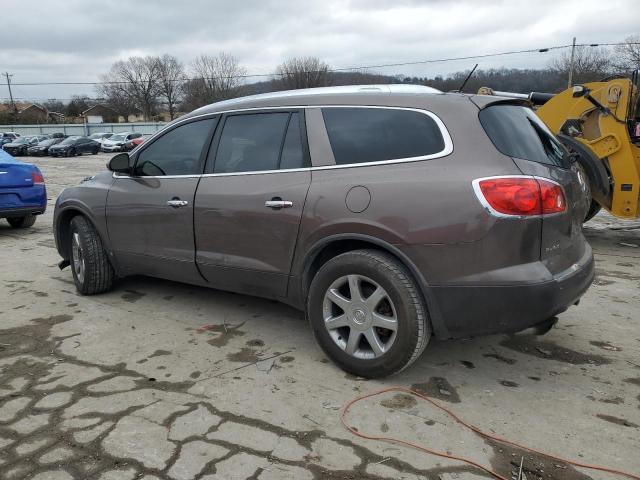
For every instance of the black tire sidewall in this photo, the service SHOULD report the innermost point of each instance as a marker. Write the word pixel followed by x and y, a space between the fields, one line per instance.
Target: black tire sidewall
pixel 407 335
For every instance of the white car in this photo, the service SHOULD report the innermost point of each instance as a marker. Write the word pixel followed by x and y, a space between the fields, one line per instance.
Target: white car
pixel 100 136
pixel 116 142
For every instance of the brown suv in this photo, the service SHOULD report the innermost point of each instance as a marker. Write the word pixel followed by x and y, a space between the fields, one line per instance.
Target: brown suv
pixel 387 213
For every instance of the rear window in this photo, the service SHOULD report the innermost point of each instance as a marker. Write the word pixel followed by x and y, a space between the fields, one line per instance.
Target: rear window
pixel 518 132
pixel 361 135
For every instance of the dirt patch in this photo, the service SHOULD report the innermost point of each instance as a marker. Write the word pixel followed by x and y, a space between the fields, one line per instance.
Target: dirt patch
pixel 227 332
pixel 617 274
pixel 437 387
pixel 400 400
pixel 255 343
pixel 509 383
pixel 506 461
pixel 605 346
pixel 245 355
pixel 500 358
pixel 616 420
pixel 530 345
pixel 287 359
pixel 633 381
pixel 613 401
pixel 195 374
pixel 467 364
pixel 132 296
pixel 159 353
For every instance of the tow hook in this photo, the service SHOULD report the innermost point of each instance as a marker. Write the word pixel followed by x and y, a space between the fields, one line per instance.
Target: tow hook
pixel 63 264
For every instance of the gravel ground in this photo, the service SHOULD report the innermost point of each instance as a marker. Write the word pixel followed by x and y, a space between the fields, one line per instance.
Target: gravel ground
pixel 159 380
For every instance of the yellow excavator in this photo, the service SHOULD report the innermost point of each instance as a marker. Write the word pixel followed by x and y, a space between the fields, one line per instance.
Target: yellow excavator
pixel 599 123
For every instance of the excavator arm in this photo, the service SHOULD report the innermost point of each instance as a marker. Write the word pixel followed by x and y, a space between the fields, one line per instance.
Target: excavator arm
pixel 599 123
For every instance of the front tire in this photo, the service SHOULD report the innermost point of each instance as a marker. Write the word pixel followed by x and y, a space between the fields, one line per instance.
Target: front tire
pixel 22 222
pixel 92 272
pixel 367 314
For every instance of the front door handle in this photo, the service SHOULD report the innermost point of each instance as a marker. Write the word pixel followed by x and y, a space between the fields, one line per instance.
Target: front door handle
pixel 177 203
pixel 277 203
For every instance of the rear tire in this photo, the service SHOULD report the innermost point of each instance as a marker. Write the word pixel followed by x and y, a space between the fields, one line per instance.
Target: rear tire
pixel 22 222
pixel 594 208
pixel 386 308
pixel 92 272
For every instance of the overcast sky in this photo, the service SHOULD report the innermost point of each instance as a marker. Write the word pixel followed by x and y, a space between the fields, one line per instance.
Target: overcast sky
pixel 76 40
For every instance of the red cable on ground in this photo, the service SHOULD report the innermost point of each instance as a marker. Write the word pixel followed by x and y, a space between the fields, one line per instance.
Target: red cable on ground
pixel 473 428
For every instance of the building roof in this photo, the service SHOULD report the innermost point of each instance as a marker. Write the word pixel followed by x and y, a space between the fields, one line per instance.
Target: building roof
pixel 21 106
pixel 102 105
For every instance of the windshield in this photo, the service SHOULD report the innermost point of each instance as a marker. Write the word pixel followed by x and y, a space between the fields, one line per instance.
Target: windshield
pixel 99 135
pixel 518 132
pixel 119 137
pixel 69 140
pixel 20 141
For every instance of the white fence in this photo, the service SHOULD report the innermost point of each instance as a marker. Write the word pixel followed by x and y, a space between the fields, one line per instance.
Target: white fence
pixel 83 129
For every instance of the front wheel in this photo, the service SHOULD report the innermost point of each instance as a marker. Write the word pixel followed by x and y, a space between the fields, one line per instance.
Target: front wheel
pixel 367 314
pixel 22 222
pixel 92 272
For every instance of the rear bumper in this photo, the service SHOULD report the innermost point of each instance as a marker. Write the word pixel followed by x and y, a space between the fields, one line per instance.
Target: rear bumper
pixel 21 212
pixel 117 148
pixel 479 309
pixel 18 202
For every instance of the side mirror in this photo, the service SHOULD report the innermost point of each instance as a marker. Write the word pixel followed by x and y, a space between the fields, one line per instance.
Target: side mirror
pixel 120 163
pixel 580 91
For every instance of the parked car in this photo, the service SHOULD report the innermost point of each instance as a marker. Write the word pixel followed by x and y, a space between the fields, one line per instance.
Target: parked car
pixel 116 142
pixel 100 137
pixel 20 145
pixel 72 146
pixel 42 148
pixel 389 214
pixel 22 192
pixel 133 143
pixel 7 137
pixel 58 135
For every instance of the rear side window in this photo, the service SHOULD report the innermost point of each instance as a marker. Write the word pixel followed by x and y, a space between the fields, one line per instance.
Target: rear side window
pixel 361 135
pixel 518 132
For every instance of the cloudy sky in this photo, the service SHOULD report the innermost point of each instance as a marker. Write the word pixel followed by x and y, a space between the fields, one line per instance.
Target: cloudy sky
pixel 76 40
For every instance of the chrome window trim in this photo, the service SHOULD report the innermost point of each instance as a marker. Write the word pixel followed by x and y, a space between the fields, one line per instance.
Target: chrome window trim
pixel 447 150
pixel 493 212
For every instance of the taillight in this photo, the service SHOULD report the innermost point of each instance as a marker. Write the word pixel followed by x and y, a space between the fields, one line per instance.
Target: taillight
pixel 37 178
pixel 520 196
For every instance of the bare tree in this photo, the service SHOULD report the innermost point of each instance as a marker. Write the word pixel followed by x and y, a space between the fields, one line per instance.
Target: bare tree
pixel 171 78
pixel 589 64
pixel 302 72
pixel 215 79
pixel 136 79
pixel 628 54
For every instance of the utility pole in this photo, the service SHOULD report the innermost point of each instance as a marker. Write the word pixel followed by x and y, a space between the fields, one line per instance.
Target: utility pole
pixel 13 104
pixel 573 56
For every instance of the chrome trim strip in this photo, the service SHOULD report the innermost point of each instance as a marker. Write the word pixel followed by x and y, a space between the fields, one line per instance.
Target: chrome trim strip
pixel 476 188
pixel 448 142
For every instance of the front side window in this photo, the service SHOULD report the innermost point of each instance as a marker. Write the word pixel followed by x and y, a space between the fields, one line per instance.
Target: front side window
pixel 362 135
pixel 177 152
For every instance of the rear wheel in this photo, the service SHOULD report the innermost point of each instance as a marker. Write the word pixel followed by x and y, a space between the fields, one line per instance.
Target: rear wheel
pixel 22 222
pixel 367 314
pixel 92 272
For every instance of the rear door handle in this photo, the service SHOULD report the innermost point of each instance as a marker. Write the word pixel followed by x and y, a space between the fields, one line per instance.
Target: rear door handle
pixel 177 203
pixel 277 203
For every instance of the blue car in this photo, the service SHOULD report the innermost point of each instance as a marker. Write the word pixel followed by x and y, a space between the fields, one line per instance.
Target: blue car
pixel 22 191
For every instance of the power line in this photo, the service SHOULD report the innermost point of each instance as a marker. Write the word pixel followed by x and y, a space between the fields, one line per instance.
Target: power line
pixel 355 68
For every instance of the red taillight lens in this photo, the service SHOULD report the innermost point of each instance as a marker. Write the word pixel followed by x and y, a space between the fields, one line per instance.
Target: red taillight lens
pixel 37 178
pixel 521 195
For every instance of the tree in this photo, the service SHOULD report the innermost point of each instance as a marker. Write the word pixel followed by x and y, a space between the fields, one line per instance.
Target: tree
pixel 54 105
pixel 135 79
pixel 77 105
pixel 589 64
pixel 302 72
pixel 215 79
pixel 171 78
pixel 628 54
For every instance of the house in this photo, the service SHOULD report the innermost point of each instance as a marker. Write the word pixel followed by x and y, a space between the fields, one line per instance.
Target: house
pixel 100 113
pixel 26 112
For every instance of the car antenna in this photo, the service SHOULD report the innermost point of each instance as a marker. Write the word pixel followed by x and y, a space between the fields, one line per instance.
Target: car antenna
pixel 467 79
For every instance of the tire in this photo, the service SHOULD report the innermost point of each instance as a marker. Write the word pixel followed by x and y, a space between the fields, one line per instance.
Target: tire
pixel 92 272
pixel 71 153
pixel 95 151
pixel 402 303
pixel 22 222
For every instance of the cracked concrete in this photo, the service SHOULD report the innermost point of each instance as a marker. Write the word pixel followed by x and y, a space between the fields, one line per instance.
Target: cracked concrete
pixel 162 381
